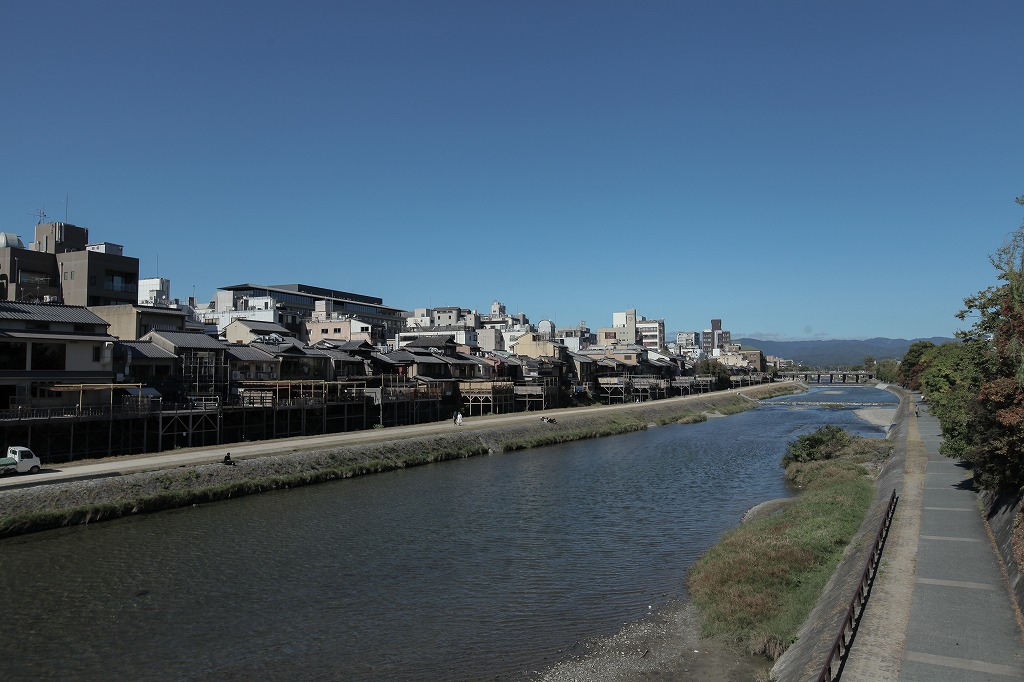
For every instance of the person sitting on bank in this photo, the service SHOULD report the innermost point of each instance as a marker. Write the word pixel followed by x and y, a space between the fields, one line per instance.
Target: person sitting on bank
pixel 228 461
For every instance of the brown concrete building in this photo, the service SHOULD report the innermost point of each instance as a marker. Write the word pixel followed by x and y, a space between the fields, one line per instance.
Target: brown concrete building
pixel 132 322
pixel 59 265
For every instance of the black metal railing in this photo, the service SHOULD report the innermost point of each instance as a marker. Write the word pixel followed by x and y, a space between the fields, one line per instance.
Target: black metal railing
pixel 841 646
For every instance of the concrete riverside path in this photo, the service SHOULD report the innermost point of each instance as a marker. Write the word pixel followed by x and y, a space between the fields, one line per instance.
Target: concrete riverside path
pixel 941 608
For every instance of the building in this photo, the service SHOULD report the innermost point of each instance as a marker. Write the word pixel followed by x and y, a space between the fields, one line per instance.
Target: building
pixel 60 265
pixel 621 333
pixel 686 340
pixel 651 333
pixel 715 338
pixel 290 304
pixel 47 349
pixel 155 291
pixel 576 338
pixel 247 331
pixel 129 322
pixel 200 369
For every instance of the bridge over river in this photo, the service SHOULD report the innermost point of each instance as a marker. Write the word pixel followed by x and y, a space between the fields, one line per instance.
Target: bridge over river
pixel 824 376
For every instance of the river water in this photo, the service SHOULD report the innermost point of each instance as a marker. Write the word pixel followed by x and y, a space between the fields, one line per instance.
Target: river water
pixel 474 569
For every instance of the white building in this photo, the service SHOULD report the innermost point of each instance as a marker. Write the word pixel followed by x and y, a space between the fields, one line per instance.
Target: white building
pixel 155 291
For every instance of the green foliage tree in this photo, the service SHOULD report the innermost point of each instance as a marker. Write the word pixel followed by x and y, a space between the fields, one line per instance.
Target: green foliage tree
pixel 976 387
pixel 952 377
pixel 715 369
pixel 995 444
pixel 870 364
pixel 888 371
pixel 911 366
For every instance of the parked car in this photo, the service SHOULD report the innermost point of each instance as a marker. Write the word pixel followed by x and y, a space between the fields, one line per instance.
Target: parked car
pixel 19 459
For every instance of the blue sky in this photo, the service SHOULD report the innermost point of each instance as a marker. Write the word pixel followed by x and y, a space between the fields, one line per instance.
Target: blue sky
pixel 798 169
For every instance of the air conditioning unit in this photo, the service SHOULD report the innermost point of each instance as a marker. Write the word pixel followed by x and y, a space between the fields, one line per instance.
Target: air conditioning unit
pixel 273 375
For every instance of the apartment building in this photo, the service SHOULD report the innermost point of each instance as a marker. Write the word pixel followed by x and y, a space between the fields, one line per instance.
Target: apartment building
pixel 60 265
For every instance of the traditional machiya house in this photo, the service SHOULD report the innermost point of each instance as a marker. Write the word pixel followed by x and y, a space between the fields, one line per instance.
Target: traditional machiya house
pixel 463 335
pixel 247 331
pixel 45 348
pixel 130 322
pixel 201 370
pixel 298 361
pixel 483 393
pixel 582 371
pixel 144 362
pixel 534 345
pixel 248 363
pixel 419 363
pixel 344 365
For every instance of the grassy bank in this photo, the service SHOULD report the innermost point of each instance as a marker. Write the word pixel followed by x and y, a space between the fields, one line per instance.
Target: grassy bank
pixel 758 585
pixel 77 502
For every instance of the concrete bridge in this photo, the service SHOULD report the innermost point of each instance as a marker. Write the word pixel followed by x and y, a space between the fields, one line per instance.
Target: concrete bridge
pixel 825 376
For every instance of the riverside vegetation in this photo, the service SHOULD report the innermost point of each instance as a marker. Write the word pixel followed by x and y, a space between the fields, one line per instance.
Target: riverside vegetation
pixel 758 585
pixel 86 501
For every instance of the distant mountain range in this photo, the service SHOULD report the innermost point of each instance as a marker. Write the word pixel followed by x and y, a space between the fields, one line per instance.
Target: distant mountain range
pixel 836 352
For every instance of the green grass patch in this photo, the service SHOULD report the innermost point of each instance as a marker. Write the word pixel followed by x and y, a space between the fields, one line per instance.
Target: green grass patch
pixel 757 586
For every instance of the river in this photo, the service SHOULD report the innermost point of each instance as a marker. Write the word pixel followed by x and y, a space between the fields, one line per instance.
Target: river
pixel 485 568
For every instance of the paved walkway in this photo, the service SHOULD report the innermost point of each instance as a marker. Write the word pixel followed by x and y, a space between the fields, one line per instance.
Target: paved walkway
pixel 940 609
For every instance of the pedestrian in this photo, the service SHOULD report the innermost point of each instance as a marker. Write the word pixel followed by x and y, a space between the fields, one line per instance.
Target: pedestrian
pixel 458 418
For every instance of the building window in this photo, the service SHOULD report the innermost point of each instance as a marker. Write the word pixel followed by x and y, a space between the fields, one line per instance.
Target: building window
pixel 49 356
pixel 13 355
pixel 97 354
pixel 34 278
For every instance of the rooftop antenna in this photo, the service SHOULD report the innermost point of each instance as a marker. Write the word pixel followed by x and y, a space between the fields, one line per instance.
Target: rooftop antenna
pixel 40 215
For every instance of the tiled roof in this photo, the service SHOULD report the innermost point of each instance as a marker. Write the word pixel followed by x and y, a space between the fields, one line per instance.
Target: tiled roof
pixel 188 339
pixel 430 341
pixel 241 353
pixel 290 346
pixel 142 349
pixel 48 312
pixel 341 355
pixel 262 326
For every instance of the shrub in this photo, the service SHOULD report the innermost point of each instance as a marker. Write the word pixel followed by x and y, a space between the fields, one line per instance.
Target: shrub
pixel 825 443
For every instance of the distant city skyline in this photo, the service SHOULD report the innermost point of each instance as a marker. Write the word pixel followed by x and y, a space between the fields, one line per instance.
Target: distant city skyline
pixel 799 170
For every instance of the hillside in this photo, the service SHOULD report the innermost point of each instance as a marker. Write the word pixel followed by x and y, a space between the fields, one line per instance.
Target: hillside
pixel 835 352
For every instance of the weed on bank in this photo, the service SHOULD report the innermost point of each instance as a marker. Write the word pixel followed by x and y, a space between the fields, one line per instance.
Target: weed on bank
pixel 759 584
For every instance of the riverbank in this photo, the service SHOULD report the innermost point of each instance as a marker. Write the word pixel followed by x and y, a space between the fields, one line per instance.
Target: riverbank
pixel 671 645
pixel 43 507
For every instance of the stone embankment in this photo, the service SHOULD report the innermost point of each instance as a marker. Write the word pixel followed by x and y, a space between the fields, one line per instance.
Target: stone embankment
pixel 43 507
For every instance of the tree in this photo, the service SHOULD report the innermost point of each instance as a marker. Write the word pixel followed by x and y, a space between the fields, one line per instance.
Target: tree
pixel 888 371
pixel 993 419
pixel 870 364
pixel 715 369
pixel 911 367
pixel 952 378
